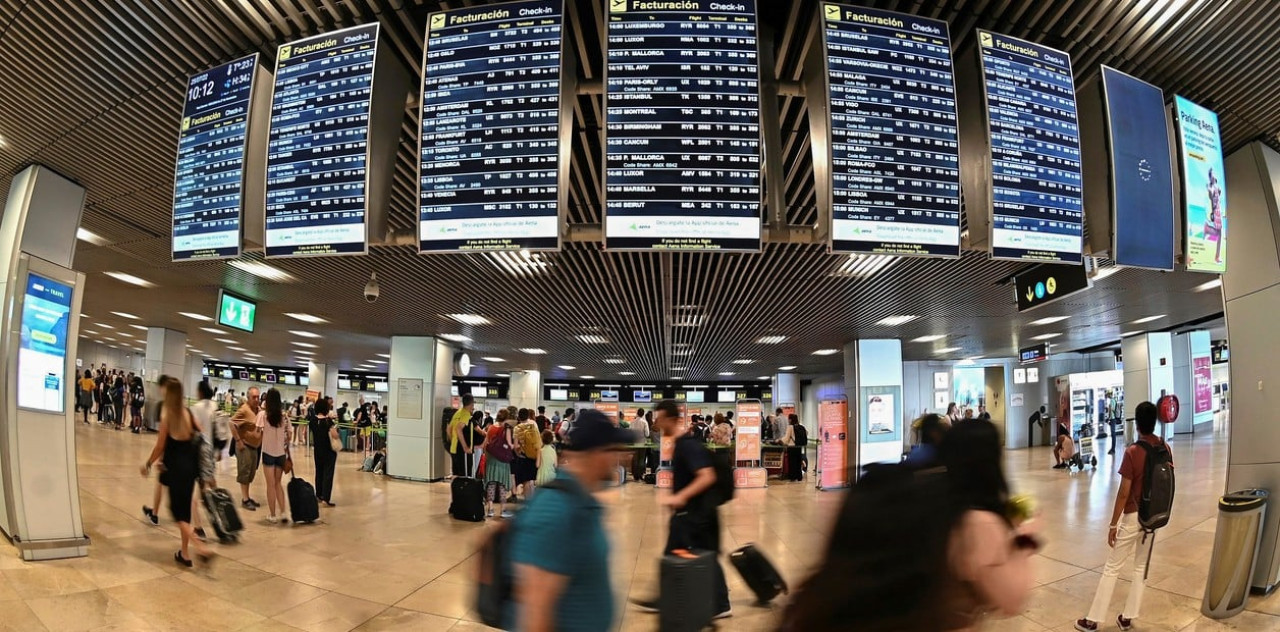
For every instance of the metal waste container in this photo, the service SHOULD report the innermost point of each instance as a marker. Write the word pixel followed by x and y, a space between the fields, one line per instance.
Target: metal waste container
pixel 1235 552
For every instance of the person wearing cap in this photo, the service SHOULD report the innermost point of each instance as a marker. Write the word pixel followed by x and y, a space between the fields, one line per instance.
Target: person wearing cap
pixel 559 587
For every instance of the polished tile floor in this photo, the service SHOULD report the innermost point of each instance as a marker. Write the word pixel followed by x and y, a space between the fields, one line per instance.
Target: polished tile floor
pixel 389 558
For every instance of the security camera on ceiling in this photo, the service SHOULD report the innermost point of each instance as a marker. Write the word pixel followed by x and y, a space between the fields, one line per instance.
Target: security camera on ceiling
pixel 371 288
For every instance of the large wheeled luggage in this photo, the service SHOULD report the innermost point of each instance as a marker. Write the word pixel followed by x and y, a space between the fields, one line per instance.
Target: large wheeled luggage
pixel 467 502
pixel 759 573
pixel 303 505
pixel 686 599
pixel 221 509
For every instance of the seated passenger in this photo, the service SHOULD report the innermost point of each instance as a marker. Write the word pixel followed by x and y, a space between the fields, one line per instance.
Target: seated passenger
pixel 1064 448
pixel 925 454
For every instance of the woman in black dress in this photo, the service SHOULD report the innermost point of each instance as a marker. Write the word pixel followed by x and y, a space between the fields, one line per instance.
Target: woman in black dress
pixel 322 430
pixel 178 445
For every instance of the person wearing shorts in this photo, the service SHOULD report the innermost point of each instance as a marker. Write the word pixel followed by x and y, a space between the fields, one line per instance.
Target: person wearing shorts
pixel 244 428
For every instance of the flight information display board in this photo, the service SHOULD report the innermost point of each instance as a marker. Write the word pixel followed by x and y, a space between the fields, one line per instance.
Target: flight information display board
pixel 317 153
pixel 1204 191
pixel 490 137
pixel 682 116
pixel 895 162
pixel 208 184
pixel 1038 208
pixel 1141 172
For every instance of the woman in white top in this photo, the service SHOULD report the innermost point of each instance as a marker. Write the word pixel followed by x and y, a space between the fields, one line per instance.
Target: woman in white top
pixel 275 452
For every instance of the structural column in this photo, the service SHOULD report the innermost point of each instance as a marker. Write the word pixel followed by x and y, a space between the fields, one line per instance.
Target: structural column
pixel 166 355
pixel 526 389
pixel 1148 376
pixel 1251 292
pixel 1193 381
pixel 786 391
pixel 421 372
pixel 323 379
pixel 873 384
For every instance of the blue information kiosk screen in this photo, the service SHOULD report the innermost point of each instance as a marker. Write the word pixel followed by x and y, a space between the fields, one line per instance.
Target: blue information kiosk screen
pixel 682 115
pixel 318 146
pixel 894 154
pixel 491 128
pixel 1038 209
pixel 1141 172
pixel 208 184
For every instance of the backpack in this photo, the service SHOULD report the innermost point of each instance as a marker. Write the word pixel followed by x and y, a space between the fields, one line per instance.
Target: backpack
pixel 501 451
pixel 1156 502
pixel 723 462
pixel 446 417
pixel 801 435
pixel 495 581
pixel 528 439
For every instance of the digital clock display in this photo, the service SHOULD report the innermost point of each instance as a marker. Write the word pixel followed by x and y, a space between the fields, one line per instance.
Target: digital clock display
pixel 208 188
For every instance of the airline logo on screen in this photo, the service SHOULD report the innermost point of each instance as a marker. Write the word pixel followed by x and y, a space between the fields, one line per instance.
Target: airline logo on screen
pixel 617 6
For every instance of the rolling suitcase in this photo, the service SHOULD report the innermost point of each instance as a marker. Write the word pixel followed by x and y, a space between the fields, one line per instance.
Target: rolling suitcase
pixel 686 597
pixel 303 505
pixel 221 508
pixel 467 501
pixel 758 573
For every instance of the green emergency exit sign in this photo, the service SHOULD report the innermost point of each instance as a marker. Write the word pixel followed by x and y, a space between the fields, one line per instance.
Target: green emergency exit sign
pixel 236 312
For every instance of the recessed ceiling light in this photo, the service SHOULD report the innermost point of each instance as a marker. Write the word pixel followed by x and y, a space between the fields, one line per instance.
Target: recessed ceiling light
pixel 196 351
pixel 492 359
pixel 125 334
pixel 626 373
pixel 503 374
pixel 567 367
pixel 214 330
pixel 690 320
pixel 534 351
pixel 262 270
pixel 383 355
pixel 789 367
pixel 87 235
pixel 469 319
pixel 304 334
pixel 614 361
pixel 235 348
pixel 947 350
pixel 523 263
pixel 1049 320
pixel 1131 333
pixel 376 362
pixel 682 350
pixel 726 373
pixel 130 279
pixel 195 316
pixel 826 352
pixel 226 341
pixel 1209 285
pixel 677 368
pixel 1148 319
pixel 141 327
pixel 455 337
pixel 305 345
pixel 592 339
pixel 252 355
pixel 894 321
pixel 304 352
pixel 677 378
pixel 744 361
pixel 588 377
pixel 1047 336
pixel 770 340
pixel 862 266
pixel 306 318
pixel 92 332
pixel 929 338
pixel 764 377
pixel 126 315
pixel 104 326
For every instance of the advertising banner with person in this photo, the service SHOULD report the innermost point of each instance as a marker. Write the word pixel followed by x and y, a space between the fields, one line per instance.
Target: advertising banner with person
pixel 833 430
pixel 1204 189
pixel 881 414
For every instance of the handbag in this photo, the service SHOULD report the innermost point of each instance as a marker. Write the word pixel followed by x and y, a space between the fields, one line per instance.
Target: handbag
pixel 334 442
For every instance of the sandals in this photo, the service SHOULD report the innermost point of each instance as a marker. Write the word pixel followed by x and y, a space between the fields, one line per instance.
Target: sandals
pixel 182 561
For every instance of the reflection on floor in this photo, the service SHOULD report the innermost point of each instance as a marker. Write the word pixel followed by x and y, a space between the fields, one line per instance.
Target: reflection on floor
pixel 389 558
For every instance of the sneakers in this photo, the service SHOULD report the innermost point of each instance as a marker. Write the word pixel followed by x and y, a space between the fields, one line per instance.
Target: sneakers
pixel 249 504
pixel 1123 623
pixel 150 514
pixel 273 520
pixel 646 605
pixel 728 612
pixel 1085 625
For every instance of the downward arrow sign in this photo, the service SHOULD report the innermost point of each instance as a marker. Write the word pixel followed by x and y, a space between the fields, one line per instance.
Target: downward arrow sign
pixel 1031 294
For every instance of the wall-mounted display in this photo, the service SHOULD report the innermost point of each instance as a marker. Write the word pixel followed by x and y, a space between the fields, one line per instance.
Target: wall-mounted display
pixel 695 397
pixel 490 151
pixel 682 117
pixel 1204 189
pixel 216 150
pixel 893 153
pixel 42 347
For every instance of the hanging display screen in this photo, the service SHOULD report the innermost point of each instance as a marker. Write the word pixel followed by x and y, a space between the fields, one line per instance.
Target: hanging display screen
pixel 1204 190
pixel 490 144
pixel 42 349
pixel 208 184
pixel 682 116
pixel 318 147
pixel 1038 208
pixel 1141 172
pixel 894 151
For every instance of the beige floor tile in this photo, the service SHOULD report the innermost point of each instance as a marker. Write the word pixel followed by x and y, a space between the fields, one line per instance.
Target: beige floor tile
pixel 471 626
pixel 47 580
pixel 18 617
pixel 92 610
pixel 397 620
pixel 1244 622
pixel 330 613
pixel 273 596
pixel 442 598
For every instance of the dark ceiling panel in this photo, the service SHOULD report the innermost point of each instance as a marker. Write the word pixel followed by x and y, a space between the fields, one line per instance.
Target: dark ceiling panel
pixel 94 90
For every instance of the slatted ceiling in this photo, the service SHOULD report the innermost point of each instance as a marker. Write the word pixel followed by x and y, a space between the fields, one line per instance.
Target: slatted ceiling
pixel 108 120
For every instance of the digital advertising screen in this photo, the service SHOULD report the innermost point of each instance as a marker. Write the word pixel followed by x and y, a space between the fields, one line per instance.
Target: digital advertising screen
pixel 559 395
pixel 208 183
pixel 895 162
pixel 1037 198
pixel 1141 172
pixel 695 397
pixel 479 391
pixel 608 395
pixel 42 349
pixel 490 138
pixel 318 146
pixel 682 126
pixel 1204 188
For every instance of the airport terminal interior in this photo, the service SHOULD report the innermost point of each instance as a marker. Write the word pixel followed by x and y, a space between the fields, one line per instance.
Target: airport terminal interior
pixel 836 237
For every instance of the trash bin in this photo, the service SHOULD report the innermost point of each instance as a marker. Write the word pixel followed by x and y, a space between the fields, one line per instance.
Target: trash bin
pixel 1235 552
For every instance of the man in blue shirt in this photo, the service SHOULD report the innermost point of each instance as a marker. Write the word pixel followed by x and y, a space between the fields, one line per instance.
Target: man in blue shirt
pixel 559 587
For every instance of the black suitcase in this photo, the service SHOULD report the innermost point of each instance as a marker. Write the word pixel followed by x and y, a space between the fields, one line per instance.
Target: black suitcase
pixel 467 501
pixel 221 508
pixel 758 573
pixel 686 597
pixel 303 505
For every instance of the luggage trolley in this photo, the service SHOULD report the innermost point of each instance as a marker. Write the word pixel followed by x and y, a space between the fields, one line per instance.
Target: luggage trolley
pixel 1085 455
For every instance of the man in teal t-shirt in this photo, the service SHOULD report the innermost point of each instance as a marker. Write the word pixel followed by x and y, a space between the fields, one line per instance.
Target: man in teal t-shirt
pixel 561 587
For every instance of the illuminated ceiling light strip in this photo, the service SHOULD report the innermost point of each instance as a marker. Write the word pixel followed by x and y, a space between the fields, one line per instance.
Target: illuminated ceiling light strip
pixel 770 340
pixel 533 351
pixel 862 266
pixel 1148 319
pixel 470 319
pixel 492 359
pixel 455 337
pixel 894 321
pixel 130 279
pixel 304 334
pixel 592 339
pixel 263 271
pixel 1047 336
pixel 826 352
pixel 195 316
pixel 1209 285
pixel 306 318
pixel 94 238
pixel 126 315
pixel 1049 320
pixel 929 338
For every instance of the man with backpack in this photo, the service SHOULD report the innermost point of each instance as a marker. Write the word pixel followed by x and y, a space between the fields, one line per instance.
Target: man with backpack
pixel 1142 506
pixel 696 494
